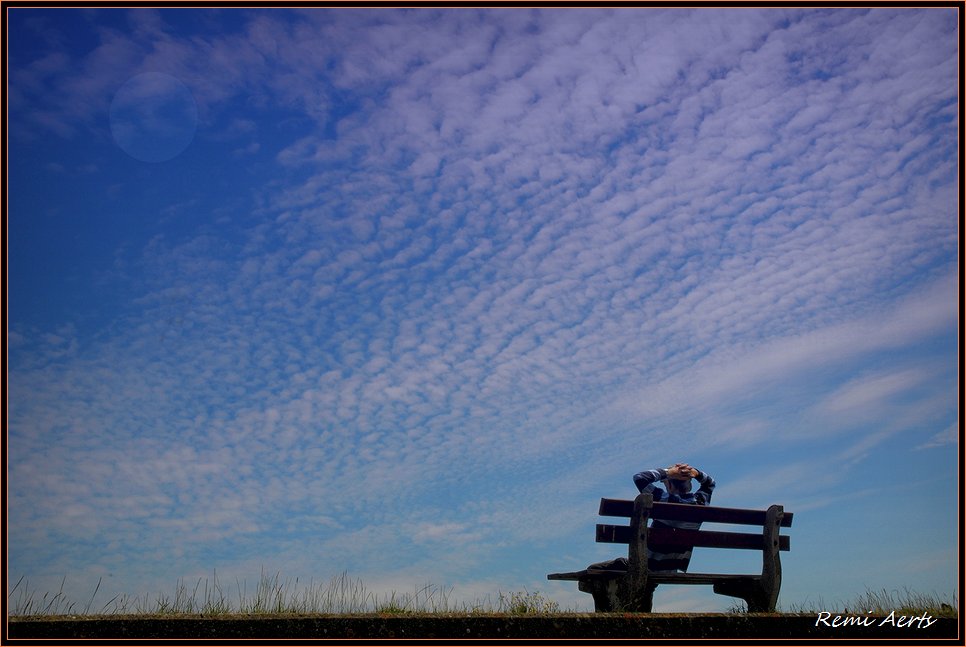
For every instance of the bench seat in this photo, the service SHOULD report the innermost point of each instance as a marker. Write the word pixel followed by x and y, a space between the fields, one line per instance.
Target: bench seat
pixel 656 577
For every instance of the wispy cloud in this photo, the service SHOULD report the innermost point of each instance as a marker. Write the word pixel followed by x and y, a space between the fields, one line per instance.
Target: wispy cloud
pixel 948 436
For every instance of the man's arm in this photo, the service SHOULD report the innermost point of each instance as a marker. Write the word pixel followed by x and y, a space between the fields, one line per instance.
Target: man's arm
pixel 645 480
pixel 703 495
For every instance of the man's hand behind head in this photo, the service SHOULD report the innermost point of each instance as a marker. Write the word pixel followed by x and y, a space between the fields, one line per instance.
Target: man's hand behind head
pixel 681 471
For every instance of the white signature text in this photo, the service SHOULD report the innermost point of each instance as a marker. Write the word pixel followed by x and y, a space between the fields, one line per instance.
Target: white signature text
pixel 917 622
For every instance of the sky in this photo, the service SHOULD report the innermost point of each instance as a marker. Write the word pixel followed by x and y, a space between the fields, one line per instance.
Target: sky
pixel 403 293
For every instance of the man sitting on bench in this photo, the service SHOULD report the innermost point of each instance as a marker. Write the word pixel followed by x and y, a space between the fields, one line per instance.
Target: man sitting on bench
pixel 677 480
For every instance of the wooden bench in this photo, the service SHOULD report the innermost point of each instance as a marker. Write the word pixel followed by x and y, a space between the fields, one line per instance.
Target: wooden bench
pixel 625 590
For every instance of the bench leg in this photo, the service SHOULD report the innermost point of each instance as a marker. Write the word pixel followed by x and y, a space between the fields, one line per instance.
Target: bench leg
pixel 615 595
pixel 636 600
pixel 604 592
pixel 758 598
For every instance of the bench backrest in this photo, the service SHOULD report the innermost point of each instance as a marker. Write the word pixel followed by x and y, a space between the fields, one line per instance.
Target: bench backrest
pixel 684 539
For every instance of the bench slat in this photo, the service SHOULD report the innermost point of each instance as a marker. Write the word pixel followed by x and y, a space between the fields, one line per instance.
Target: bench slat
pixel 685 539
pixel 574 575
pixel 657 577
pixel 696 578
pixel 686 512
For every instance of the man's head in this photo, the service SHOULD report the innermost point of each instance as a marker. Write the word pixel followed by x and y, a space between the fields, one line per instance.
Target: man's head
pixel 678 479
pixel 678 486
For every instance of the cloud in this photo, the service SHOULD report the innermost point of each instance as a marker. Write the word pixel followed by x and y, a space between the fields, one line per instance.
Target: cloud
pixel 871 392
pixel 948 436
pixel 745 368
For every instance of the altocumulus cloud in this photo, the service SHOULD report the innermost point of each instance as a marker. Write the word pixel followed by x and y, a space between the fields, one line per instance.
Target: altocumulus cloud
pixel 501 248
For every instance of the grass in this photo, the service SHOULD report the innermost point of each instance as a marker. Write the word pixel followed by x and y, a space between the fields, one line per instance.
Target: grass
pixel 881 602
pixel 273 596
pixel 344 595
pixel 908 602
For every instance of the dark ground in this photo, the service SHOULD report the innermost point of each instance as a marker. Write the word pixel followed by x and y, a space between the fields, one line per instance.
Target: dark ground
pixel 472 626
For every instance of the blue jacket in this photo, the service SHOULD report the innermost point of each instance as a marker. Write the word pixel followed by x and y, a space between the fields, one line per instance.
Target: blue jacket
pixel 645 482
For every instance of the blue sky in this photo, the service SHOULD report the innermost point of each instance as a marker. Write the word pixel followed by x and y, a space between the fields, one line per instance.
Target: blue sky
pixel 403 293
